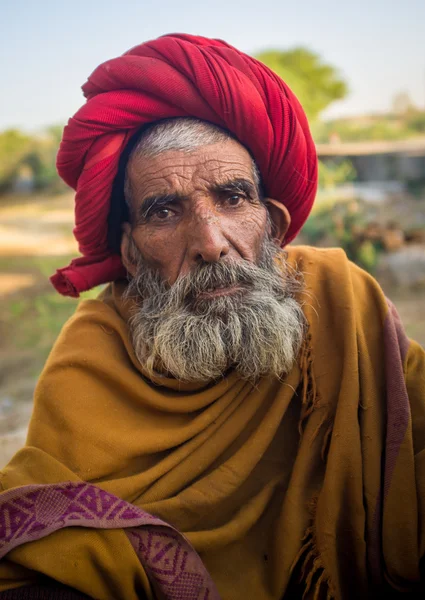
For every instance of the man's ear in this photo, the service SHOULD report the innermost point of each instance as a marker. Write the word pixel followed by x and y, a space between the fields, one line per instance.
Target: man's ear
pixel 280 217
pixel 126 256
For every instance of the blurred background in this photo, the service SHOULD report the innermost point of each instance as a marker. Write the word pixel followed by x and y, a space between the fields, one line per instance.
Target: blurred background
pixel 357 68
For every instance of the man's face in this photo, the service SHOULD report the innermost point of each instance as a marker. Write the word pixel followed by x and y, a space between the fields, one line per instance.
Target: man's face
pixel 210 285
pixel 197 207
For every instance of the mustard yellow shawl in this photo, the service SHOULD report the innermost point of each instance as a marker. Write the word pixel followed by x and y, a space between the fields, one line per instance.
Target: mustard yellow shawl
pixel 312 485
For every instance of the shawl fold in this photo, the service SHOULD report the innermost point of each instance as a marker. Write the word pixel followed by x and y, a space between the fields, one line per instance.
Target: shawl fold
pixel 316 481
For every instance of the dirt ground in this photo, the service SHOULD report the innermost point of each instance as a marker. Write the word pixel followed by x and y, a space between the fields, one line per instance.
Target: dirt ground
pixel 35 239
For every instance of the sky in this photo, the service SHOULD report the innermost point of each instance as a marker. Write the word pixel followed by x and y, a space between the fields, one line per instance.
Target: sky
pixel 48 48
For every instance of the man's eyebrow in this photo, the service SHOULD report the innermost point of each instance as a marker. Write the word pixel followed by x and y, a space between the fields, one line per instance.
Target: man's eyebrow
pixel 235 185
pixel 155 201
pixel 159 200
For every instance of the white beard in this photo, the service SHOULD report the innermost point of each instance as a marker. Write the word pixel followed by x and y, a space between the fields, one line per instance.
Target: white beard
pixel 258 331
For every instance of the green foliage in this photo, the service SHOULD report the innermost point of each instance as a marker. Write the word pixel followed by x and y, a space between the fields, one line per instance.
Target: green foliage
pixel 335 173
pixel 33 155
pixel 41 266
pixel 41 318
pixel 45 315
pixel 319 224
pixel 315 83
pixel 14 147
pixel 374 128
pixel 341 223
pixel 415 120
pixel 367 255
pixel 31 320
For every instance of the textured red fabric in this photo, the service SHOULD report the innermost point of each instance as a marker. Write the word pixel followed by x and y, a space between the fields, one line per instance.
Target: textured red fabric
pixel 174 76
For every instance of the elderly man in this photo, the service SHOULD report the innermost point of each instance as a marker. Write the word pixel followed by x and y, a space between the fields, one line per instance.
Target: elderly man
pixel 228 419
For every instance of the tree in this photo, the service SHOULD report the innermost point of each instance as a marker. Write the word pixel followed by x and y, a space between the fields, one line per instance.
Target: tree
pixel 402 103
pixel 34 153
pixel 415 120
pixel 14 146
pixel 315 83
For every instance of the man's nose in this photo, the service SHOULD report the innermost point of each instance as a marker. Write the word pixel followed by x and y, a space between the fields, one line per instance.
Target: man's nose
pixel 206 239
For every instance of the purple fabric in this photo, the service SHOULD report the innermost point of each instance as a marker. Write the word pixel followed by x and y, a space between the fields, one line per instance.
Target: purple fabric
pixel 403 340
pixel 396 345
pixel 44 591
pixel 174 568
pixel 398 407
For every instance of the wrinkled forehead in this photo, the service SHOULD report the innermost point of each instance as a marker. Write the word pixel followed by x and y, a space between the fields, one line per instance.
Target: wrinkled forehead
pixel 141 177
pixel 183 172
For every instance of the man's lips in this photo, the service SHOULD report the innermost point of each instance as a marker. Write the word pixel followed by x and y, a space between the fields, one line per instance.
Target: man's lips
pixel 214 293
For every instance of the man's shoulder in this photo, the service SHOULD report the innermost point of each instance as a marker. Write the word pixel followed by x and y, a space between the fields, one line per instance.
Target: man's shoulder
pixel 318 256
pixel 104 309
pixel 327 263
pixel 91 315
pixel 334 284
pixel 96 327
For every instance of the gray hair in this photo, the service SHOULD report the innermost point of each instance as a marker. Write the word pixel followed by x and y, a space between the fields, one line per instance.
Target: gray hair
pixel 185 134
pixel 258 330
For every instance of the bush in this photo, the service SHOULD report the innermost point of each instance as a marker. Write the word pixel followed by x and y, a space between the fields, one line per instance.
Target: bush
pixel 342 224
pixel 34 155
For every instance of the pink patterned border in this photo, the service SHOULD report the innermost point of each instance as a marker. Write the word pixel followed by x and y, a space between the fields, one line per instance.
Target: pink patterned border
pixel 174 568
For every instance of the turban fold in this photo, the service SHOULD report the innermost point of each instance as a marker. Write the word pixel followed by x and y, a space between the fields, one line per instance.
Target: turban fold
pixel 178 76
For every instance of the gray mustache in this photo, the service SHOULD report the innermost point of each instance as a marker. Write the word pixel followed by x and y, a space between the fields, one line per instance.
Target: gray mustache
pixel 218 275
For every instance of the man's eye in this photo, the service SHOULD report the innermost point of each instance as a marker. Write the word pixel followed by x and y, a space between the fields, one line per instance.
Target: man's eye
pixel 235 199
pixel 162 214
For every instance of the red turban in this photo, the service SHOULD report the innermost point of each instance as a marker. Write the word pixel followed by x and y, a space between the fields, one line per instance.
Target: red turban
pixel 178 76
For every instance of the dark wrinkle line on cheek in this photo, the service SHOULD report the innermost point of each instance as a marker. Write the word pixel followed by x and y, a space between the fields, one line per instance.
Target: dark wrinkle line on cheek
pixel 183 260
pixel 164 256
pixel 254 230
pixel 170 252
